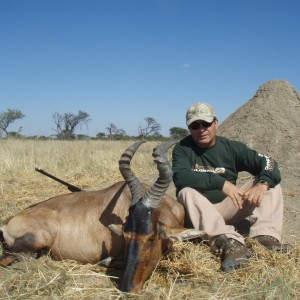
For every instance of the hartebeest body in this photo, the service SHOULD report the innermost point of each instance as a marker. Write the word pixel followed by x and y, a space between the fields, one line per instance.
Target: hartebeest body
pixel 89 226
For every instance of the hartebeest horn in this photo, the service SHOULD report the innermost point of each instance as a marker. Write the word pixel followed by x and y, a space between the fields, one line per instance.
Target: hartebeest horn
pixel 153 197
pixel 134 184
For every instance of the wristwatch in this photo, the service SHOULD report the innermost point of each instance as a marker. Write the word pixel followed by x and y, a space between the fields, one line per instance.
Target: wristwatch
pixel 264 182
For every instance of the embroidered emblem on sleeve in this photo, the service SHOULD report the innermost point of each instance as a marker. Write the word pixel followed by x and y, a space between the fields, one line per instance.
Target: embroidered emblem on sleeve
pixel 269 162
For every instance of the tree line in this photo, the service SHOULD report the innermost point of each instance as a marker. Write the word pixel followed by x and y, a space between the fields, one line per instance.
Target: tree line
pixel 66 124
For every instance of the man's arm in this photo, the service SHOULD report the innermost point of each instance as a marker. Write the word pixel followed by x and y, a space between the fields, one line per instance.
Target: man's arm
pixel 262 166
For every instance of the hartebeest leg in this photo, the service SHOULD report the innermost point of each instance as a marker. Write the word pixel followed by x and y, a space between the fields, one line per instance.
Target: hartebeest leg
pixel 7 259
pixel 112 262
pixel 24 244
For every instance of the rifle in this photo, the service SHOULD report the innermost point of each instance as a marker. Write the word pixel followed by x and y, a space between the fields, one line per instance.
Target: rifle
pixel 70 187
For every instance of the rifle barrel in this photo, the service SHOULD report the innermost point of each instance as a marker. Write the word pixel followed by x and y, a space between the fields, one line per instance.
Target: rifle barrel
pixel 70 187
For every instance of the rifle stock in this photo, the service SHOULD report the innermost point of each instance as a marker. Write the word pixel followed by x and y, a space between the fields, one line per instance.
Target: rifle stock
pixel 71 187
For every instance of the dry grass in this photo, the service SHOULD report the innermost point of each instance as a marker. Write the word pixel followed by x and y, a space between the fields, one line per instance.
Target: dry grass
pixel 85 164
pixel 189 271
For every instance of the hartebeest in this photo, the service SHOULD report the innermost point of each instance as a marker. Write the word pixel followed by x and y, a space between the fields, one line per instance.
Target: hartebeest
pixel 119 221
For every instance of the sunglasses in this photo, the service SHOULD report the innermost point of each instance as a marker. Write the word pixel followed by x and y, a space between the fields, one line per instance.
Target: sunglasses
pixel 198 124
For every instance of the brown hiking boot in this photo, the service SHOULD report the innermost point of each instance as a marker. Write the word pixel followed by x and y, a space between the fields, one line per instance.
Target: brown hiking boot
pixel 233 253
pixel 271 243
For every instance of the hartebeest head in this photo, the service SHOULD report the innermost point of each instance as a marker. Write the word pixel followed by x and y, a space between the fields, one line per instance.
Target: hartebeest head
pixel 146 239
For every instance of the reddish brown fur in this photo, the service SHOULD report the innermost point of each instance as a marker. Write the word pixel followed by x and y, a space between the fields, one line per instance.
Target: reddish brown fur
pixel 75 226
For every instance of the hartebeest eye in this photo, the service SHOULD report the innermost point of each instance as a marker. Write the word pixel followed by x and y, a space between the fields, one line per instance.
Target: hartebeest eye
pixel 152 238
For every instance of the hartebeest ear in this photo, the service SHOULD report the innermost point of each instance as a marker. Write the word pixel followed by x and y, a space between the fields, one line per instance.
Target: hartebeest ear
pixel 116 228
pixel 180 234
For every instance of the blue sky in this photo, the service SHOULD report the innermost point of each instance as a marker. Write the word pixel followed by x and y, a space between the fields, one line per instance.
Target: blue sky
pixel 124 60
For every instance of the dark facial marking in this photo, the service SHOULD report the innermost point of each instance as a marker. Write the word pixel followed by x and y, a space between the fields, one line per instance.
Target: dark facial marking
pixel 132 261
pixel 140 219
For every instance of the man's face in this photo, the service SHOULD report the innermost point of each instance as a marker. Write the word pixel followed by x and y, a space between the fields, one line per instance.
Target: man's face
pixel 204 133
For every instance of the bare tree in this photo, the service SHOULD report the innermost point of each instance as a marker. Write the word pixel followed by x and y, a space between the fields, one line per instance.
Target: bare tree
pixel 120 134
pixel 8 117
pixel 68 122
pixel 111 128
pixel 114 131
pixel 150 128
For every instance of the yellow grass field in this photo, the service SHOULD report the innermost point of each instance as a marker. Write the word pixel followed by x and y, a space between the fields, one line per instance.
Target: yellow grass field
pixel 86 164
pixel 189 271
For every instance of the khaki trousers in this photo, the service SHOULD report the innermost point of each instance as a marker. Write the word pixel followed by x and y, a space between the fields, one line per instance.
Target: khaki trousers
pixel 216 219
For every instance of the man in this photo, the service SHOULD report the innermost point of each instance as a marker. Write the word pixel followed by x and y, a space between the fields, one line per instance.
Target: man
pixel 205 170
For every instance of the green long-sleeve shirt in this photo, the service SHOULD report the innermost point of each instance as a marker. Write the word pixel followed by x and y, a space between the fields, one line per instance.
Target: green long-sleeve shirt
pixel 207 169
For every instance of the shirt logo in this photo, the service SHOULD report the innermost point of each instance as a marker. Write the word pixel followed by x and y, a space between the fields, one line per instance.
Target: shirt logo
pixel 207 169
pixel 269 162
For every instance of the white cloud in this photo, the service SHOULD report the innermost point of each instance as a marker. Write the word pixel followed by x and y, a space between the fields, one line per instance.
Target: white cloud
pixel 185 66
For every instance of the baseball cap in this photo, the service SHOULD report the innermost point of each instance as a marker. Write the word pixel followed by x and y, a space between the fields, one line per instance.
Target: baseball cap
pixel 200 111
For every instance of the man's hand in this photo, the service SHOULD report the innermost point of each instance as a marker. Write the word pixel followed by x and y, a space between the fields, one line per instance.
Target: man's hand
pixel 234 193
pixel 255 194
